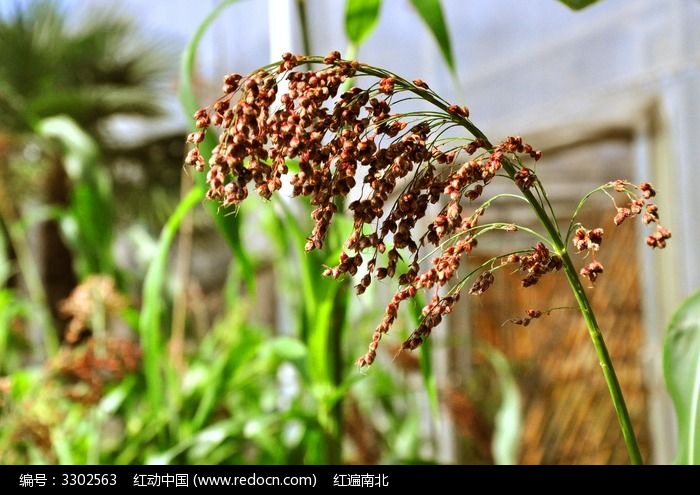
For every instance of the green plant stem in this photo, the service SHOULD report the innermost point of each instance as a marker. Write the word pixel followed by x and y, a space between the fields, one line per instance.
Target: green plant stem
pixel 601 349
pixel 596 335
pixel 559 245
pixel 572 277
pixel 584 305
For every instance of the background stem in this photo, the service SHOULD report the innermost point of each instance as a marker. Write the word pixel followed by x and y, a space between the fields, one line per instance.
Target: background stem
pixel 304 26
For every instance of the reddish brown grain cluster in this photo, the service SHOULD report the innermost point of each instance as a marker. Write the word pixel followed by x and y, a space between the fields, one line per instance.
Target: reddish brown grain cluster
pixel 404 189
pixel 96 295
pixel 535 264
pixel 639 202
pixel 94 358
pixel 88 368
pixel 532 314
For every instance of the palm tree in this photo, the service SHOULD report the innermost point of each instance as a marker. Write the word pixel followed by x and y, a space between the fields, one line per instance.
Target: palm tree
pixel 91 72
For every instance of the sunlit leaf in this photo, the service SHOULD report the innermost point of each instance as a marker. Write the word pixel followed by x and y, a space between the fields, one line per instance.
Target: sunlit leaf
pixel 361 17
pixel 91 196
pixel 682 374
pixel 112 401
pixel 507 432
pixel 431 13
pixel 578 4
pixel 287 348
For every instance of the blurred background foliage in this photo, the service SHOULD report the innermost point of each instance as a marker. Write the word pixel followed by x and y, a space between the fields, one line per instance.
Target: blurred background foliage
pixel 132 332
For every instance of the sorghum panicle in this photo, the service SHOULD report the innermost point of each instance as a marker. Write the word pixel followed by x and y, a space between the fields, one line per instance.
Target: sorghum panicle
pixel 396 167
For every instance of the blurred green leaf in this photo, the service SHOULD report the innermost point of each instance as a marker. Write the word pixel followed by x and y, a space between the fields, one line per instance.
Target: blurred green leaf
pixel 578 4
pixel 309 278
pixel 322 314
pixel 288 348
pixel 361 17
pixel 232 359
pixel 63 446
pixel 5 264
pixel 10 307
pixel 112 401
pixel 22 382
pixel 187 95
pixel 211 437
pixel 681 363
pixel 150 321
pixel 507 433
pixel 430 11
pixel 426 358
pixel 429 382
pixel 91 199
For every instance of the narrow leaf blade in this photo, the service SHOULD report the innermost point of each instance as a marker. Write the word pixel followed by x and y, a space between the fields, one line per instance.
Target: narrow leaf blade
pixel 578 4
pixel 507 434
pixel 187 97
pixel 430 11
pixel 361 17
pixel 682 374
pixel 150 322
pixel 91 198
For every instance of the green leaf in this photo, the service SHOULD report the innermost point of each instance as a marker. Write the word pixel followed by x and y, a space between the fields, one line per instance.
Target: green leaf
pixel 240 354
pixel 10 307
pixel 578 4
pixel 682 374
pixel 361 17
pixel 91 197
pixel 150 321
pixel 507 431
pixel 287 348
pixel 431 13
